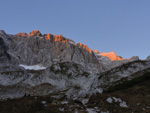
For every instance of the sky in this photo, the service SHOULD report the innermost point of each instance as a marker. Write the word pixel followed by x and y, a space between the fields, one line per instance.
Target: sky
pixel 122 26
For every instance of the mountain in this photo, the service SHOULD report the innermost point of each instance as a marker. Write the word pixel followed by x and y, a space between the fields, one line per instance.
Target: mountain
pixel 111 55
pixel 55 70
pixel 35 48
pixel 110 60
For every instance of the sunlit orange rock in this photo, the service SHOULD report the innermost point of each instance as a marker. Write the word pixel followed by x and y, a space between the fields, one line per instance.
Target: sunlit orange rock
pixel 85 47
pixel 34 33
pixel 59 38
pixel 95 51
pixel 22 34
pixel 111 55
pixel 48 36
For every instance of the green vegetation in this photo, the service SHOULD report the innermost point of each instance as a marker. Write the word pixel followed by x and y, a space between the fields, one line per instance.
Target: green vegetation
pixel 128 84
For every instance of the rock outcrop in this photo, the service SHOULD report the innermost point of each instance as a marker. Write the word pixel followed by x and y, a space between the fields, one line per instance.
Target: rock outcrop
pixel 47 49
pixel 111 55
pixel 48 36
pixel 85 47
pixel 37 64
pixel 22 34
pixel 4 56
pixel 148 58
pixel 110 60
pixel 4 46
pixel 34 33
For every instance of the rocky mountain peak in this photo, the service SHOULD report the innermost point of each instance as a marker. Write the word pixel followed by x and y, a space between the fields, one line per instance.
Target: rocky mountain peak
pixel 22 34
pixel 96 51
pixel 48 36
pixel 56 38
pixel 46 50
pixel 64 73
pixel 59 38
pixel 2 32
pixel 111 55
pixel 84 47
pixel 34 33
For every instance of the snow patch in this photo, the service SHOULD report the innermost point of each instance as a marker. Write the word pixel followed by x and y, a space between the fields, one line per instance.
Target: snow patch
pixel 33 67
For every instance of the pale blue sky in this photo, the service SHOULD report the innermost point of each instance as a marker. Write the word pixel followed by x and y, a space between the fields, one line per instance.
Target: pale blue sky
pixel 122 26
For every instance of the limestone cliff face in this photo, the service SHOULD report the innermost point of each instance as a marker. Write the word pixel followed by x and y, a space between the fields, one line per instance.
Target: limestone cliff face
pixel 48 49
pixel 53 63
pixel 35 48
pixel 4 43
pixel 4 56
pixel 85 47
